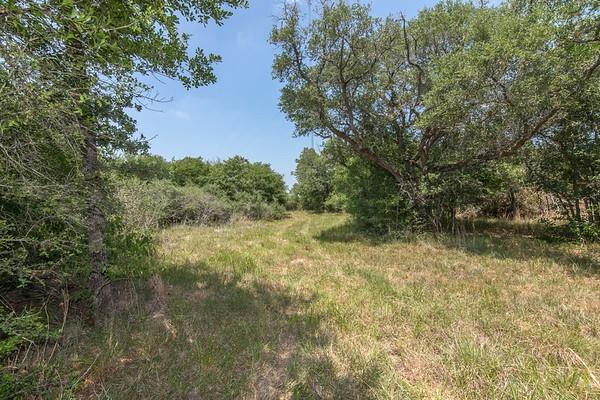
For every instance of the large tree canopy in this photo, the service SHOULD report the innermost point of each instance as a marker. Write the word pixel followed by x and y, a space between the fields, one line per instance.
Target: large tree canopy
pixel 455 88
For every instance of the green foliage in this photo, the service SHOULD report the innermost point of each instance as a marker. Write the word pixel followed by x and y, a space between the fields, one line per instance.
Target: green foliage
pixel 145 167
pixel 131 250
pixel 254 207
pixel 336 202
pixel 42 242
pixel 236 178
pixel 148 206
pixel 17 329
pixel 141 205
pixel 199 193
pixel 69 73
pixel 192 205
pixel 313 173
pixel 576 230
pixel 567 164
pixel 371 197
pixel 585 231
pixel 189 171
pixel 41 225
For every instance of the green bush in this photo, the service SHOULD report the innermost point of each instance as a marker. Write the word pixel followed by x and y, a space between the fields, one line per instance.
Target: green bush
pixel 371 196
pixel 313 173
pixel 145 167
pixel 131 250
pixel 236 178
pixel 42 238
pixel 292 203
pixel 253 207
pixel 582 231
pixel 193 205
pixel 189 171
pixel 142 205
pixel 336 202
pixel 18 329
pixel 145 206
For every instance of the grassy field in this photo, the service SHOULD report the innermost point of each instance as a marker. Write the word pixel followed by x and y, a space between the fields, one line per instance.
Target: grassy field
pixel 307 308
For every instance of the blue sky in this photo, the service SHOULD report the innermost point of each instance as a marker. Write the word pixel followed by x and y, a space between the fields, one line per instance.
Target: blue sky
pixel 239 114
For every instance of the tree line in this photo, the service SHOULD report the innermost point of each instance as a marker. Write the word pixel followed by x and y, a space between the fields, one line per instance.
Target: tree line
pixel 192 190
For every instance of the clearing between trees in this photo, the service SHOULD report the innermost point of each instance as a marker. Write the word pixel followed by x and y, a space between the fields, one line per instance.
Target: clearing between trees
pixel 305 307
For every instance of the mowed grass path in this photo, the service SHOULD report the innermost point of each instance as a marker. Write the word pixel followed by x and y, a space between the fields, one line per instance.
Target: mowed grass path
pixel 307 308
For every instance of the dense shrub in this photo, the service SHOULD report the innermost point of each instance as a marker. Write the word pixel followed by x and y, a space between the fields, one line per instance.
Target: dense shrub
pixel 193 205
pixel 526 202
pixel 576 230
pixel 131 250
pixel 18 329
pixel 313 187
pixel 145 206
pixel 371 197
pixel 238 178
pixel 292 203
pixel 197 193
pixel 42 239
pixel 142 205
pixel 253 207
pixel 336 202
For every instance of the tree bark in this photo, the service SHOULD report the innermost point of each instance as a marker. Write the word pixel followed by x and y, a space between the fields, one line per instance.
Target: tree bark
pixel 588 213
pixel 99 284
pixel 576 195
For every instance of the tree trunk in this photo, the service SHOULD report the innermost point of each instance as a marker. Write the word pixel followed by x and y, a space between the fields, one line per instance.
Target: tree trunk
pixel 588 210
pixel 574 182
pixel 98 283
pixel 453 217
pixel 514 209
pixel 80 84
pixel 595 210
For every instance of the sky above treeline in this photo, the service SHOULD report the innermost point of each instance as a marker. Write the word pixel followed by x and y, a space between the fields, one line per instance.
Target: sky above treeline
pixel 239 114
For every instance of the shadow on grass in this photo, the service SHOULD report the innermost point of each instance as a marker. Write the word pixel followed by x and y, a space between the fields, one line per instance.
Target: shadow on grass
pixel 501 239
pixel 523 249
pixel 228 335
pixel 350 232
